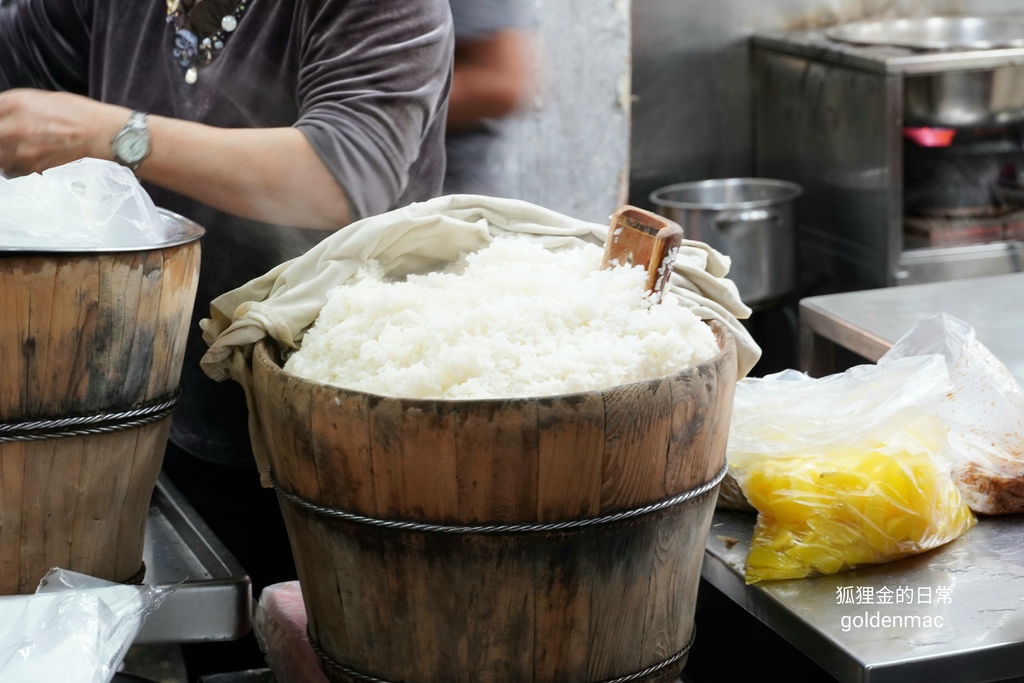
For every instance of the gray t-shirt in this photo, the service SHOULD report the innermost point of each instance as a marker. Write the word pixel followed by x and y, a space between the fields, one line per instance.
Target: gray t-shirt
pixel 366 81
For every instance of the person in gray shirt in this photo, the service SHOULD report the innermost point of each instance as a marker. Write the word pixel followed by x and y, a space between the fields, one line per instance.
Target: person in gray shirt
pixel 270 123
pixel 491 79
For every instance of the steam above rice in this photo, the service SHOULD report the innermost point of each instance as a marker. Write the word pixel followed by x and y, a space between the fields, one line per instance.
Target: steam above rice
pixel 511 320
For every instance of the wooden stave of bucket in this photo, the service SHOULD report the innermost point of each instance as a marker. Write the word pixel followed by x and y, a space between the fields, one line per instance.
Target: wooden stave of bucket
pixel 405 604
pixel 93 343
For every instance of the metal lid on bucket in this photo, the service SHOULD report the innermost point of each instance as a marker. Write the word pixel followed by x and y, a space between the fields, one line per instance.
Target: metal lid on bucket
pixel 727 193
pixel 180 230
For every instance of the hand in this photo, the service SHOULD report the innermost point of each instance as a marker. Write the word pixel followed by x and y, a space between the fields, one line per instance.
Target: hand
pixel 40 129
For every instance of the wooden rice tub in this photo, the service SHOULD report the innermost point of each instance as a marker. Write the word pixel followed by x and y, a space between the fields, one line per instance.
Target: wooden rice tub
pixel 91 344
pixel 554 540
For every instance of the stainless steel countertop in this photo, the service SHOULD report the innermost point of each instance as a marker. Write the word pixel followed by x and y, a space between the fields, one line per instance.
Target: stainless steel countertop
pixel 981 637
pixel 976 587
pixel 870 322
pixel 212 595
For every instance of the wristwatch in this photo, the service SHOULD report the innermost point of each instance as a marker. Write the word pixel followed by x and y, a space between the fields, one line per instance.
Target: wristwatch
pixel 131 144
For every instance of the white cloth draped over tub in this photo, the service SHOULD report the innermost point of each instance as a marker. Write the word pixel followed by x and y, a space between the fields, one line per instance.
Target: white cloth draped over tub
pixel 419 238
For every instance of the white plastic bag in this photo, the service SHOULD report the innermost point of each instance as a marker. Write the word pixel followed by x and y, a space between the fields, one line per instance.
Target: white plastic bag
pixel 983 413
pixel 74 629
pixel 85 204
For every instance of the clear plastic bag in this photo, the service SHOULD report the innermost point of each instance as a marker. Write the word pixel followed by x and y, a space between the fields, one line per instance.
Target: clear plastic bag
pixel 74 629
pixel 87 203
pixel 844 470
pixel 983 413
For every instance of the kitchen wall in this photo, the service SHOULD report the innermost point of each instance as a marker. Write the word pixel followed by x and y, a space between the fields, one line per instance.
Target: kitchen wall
pixel 568 147
pixel 636 94
pixel 691 78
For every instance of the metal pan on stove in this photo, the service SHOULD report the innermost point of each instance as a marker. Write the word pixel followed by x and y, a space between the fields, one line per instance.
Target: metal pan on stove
pixel 954 99
pixel 934 33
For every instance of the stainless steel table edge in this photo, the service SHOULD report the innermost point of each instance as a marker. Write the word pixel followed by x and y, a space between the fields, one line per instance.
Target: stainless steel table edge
pixel 773 613
pixel 830 330
pixel 210 594
pixel 869 322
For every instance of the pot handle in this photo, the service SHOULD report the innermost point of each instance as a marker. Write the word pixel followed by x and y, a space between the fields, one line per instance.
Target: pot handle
pixel 728 219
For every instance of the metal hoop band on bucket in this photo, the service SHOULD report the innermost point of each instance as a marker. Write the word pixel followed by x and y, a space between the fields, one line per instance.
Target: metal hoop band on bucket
pixel 333 513
pixel 39 430
pixel 136 578
pixel 338 671
pixel 329 663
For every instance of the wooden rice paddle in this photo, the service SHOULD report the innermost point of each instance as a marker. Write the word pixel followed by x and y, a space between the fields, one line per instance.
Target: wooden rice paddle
pixel 638 237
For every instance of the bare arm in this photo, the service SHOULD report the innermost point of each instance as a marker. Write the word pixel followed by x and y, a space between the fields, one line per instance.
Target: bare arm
pixel 270 174
pixel 267 174
pixel 491 76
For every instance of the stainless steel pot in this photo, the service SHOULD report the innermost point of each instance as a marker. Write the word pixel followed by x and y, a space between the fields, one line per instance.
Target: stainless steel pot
pixel 960 99
pixel 749 220
pixel 952 99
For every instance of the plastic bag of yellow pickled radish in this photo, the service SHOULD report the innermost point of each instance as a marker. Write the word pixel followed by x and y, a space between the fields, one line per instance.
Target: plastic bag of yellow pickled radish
pixel 845 470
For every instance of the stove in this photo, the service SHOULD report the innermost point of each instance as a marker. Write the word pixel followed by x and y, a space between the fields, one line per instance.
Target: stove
pixel 912 160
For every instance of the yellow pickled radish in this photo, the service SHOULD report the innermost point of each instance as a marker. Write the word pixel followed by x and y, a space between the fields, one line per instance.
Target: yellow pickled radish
pixel 822 513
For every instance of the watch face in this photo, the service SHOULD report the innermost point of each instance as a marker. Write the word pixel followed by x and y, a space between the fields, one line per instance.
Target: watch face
pixel 132 148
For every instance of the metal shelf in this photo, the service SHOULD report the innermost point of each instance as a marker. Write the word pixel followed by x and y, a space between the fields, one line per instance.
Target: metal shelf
pixel 212 595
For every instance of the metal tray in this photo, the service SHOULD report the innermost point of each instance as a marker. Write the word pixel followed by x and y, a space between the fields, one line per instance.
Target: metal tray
pixel 212 595
pixel 934 33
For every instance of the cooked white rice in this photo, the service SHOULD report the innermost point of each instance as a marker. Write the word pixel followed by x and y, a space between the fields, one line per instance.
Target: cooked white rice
pixel 511 320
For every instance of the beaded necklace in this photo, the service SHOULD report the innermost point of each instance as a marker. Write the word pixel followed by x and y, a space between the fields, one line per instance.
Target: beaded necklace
pixel 201 28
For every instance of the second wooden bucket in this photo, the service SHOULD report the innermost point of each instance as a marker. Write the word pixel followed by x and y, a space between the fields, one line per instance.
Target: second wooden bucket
pixel 92 344
pixel 547 540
